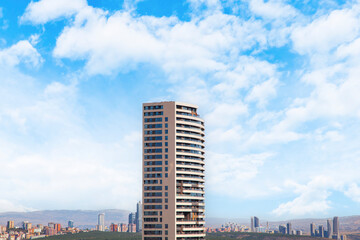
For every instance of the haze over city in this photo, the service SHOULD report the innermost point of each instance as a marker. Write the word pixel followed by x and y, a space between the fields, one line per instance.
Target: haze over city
pixel 276 82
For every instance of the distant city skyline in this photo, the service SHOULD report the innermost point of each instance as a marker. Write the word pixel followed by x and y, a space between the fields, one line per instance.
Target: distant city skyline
pixel 276 82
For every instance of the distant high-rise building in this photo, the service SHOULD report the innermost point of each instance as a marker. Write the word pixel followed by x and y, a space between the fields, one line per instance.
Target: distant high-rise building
pixel 252 224
pixel 321 231
pixel 256 222
pixel 10 225
pixel 132 218
pixel 114 227
pixel 282 229
pixel 329 231
pixel 173 172
pixel 336 227
pixel 101 222
pixel 312 229
pixel 298 232
pixel 132 227
pixel 288 228
pixel 343 237
pixel 71 224
pixel 138 217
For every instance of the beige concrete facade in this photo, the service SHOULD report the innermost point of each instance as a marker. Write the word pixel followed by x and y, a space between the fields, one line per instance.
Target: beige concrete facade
pixel 173 172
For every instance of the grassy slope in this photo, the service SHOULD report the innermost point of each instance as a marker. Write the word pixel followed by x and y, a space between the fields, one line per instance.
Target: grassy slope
pixel 211 236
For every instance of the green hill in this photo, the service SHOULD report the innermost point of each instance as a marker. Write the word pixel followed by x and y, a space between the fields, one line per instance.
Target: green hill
pixel 210 236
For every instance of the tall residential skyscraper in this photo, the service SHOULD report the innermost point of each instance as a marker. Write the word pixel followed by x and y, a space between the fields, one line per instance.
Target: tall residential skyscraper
pixel 336 227
pixel 101 222
pixel 288 228
pixel 173 172
pixel 312 229
pixel 70 223
pixel 138 217
pixel 329 228
pixel 256 222
pixel 252 224
pixel 132 218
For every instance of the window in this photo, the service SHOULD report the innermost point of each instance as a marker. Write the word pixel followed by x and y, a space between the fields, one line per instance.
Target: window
pixel 166 144
pixel 153 169
pixel 153 113
pixel 153 163
pixel 166 175
pixel 166 162
pixel 166 150
pixel 166 131
pixel 153 120
pixel 166 125
pixel 166 187
pixel 166 119
pixel 153 107
pixel 166 232
pixel 153 132
pixel 166 156
pixel 166 206
pixel 166 169
pixel 166 194
pixel 166 137
pixel 157 138
pixel 155 150
pixel 166 226
pixel 153 157
pixel 153 126
pixel 166 200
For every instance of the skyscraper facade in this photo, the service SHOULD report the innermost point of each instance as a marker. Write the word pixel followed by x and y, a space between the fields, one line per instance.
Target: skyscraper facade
pixel 101 222
pixel 256 222
pixel 329 229
pixel 138 217
pixel 288 228
pixel 336 227
pixel 132 218
pixel 312 229
pixel 173 172
pixel 252 224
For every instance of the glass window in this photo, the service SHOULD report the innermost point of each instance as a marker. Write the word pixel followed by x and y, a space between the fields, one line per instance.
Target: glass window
pixel 166 119
pixel 166 137
pixel 166 144
pixel 166 125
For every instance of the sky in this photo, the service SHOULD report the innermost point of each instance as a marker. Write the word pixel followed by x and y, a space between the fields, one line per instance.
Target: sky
pixel 276 81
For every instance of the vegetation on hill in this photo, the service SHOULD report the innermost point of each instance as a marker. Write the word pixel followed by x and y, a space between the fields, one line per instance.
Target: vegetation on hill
pixel 211 236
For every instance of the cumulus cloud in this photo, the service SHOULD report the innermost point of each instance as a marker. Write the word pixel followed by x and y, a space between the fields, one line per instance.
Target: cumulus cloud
pixel 327 32
pixel 22 51
pixel 229 175
pixel 41 12
pixel 353 192
pixel 273 9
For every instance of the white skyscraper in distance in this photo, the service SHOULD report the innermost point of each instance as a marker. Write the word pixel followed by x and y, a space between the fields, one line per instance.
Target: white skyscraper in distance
pixel 101 222
pixel 173 172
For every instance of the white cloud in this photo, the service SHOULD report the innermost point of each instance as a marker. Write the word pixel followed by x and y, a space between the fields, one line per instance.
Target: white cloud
pixel 10 206
pixel 353 192
pixel 327 32
pixel 43 11
pixel 272 9
pixel 313 198
pixel 225 114
pixel 230 175
pixel 261 93
pixel 22 51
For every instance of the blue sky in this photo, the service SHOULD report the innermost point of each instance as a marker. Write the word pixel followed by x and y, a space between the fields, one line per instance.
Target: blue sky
pixel 276 81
